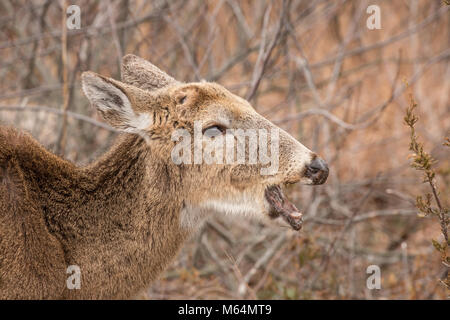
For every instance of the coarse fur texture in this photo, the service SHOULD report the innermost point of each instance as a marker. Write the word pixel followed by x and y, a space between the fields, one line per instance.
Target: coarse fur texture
pixel 123 218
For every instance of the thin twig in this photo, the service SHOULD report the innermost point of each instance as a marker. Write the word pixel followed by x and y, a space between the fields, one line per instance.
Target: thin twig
pixel 59 112
pixel 61 141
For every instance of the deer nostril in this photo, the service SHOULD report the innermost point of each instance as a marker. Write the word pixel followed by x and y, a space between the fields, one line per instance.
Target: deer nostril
pixel 317 170
pixel 318 164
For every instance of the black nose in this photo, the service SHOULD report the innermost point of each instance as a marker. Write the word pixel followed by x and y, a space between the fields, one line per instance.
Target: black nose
pixel 317 171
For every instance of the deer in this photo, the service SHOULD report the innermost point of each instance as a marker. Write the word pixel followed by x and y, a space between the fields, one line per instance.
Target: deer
pixel 123 218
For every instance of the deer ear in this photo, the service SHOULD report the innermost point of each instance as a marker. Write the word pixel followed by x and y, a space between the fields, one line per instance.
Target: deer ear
pixel 115 101
pixel 144 75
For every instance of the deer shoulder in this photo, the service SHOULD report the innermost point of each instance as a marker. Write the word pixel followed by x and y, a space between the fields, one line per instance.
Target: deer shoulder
pixel 27 249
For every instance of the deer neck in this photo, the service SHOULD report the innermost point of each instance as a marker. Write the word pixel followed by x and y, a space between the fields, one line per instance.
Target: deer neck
pixel 122 216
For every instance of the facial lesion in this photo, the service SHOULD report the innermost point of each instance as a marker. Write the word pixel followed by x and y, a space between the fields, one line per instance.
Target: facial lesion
pixel 187 96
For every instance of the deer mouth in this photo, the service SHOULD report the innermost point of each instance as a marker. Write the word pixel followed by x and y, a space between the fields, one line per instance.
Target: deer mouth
pixel 281 206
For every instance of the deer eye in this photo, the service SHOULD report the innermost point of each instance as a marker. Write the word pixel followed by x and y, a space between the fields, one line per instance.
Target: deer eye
pixel 182 99
pixel 213 131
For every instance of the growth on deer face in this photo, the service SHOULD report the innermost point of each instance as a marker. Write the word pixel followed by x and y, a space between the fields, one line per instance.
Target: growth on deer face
pixel 188 151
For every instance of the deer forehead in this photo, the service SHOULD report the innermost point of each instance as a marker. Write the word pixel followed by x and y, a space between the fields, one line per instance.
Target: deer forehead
pixel 205 100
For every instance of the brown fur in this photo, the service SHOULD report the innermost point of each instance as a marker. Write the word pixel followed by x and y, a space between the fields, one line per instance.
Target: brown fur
pixel 121 218
pixel 55 215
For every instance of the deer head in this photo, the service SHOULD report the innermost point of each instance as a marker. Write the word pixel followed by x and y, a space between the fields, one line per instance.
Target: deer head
pixel 227 158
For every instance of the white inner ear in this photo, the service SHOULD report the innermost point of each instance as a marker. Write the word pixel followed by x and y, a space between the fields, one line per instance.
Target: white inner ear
pixel 107 97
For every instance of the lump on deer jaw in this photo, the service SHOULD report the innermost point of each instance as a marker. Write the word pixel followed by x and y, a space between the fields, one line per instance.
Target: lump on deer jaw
pixel 281 206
